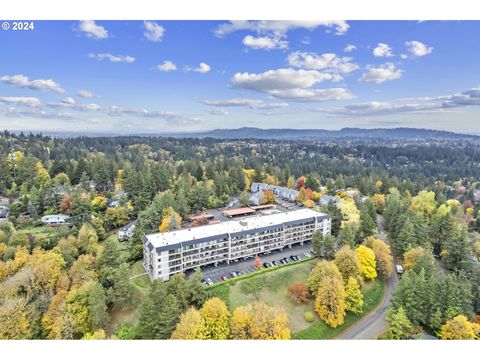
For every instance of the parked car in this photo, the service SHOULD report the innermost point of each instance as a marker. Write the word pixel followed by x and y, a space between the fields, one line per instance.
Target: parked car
pixel 294 257
pixel 267 265
pixel 399 269
pixel 233 274
pixel 223 278
pixel 307 254
pixel 286 261
pixel 274 263
pixel 239 273
pixel 209 281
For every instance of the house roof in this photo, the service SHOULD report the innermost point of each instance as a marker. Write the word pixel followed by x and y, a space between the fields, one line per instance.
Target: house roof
pixel 239 211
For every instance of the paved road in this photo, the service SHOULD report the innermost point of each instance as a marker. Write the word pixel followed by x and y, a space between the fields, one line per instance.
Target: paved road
pixel 374 324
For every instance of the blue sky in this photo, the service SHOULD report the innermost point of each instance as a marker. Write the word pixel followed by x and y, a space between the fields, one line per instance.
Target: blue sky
pixel 162 76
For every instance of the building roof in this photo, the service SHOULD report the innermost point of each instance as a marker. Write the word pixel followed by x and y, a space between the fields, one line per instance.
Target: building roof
pixel 230 227
pixel 128 226
pixel 239 211
pixel 261 207
pixel 4 211
pixel 54 217
pixel 201 216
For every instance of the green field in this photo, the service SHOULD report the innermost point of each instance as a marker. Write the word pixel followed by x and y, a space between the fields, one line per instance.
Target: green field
pixel 271 287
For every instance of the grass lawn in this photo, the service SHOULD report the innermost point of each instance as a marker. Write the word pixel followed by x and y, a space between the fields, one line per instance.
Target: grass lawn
pixel 39 232
pixel 373 295
pixel 271 287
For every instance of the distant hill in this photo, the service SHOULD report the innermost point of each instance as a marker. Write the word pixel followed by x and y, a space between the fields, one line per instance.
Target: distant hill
pixel 396 133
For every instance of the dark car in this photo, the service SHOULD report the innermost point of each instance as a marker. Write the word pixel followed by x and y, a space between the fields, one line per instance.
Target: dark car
pixel 267 265
pixel 274 263
pixel 239 273
pixel 285 260
pixel 294 257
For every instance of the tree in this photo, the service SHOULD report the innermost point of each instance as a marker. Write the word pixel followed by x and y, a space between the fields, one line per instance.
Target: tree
pixel 258 262
pixel 268 197
pixel 323 245
pixel 424 203
pixel 15 318
pixel 244 198
pixel 158 314
pixel 455 255
pixel 170 220
pixel 189 327
pixel 347 262
pixel 400 326
pixel 330 301
pixel 410 258
pixel 383 258
pixel 367 224
pixel 121 293
pixel 97 335
pixel 322 270
pixel 196 292
pixel 87 240
pixel 349 210
pixel 258 321
pixel 298 293
pixel 459 328
pixel 312 182
pixel 215 320
pixel 353 296
pixel 347 235
pixel 367 260
pixel 47 267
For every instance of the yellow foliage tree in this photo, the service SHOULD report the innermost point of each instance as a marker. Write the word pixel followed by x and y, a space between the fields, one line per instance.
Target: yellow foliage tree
pixel 170 220
pixel 97 335
pixel 378 184
pixel 268 197
pixel 353 296
pixel 350 213
pixel 411 256
pixel 99 203
pixel 189 327
pixel 309 203
pixel 459 328
pixel 347 262
pixel 14 319
pixel 424 203
pixel 368 264
pixel 215 320
pixel 42 174
pixel 269 179
pixel 322 269
pixel 330 301
pixel 291 182
pixel 53 319
pixel 258 321
pixel 249 174
pixel 47 266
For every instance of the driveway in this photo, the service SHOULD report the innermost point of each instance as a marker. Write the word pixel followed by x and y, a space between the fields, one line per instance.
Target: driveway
pixel 374 324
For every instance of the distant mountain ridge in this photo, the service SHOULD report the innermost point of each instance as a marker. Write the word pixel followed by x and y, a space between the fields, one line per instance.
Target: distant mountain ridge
pixel 395 133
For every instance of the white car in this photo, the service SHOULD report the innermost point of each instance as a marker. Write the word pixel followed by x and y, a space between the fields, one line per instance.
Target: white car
pixel 399 269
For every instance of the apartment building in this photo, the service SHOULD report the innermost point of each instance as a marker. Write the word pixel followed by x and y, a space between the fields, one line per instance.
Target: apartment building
pixel 165 254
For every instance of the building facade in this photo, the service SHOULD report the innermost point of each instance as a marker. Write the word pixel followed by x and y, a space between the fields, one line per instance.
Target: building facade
pixel 281 191
pixel 165 254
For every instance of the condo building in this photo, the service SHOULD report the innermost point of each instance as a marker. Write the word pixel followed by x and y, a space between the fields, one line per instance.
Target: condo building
pixel 165 254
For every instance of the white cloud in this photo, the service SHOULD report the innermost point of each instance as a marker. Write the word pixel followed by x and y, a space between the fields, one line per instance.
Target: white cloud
pixel 416 48
pixel 153 31
pixel 166 66
pixel 265 42
pixel 280 26
pixel 85 94
pixel 202 68
pixel 421 105
pixel 382 73
pixel 403 56
pixel 36 113
pixel 350 48
pixel 218 112
pixel 291 84
pixel 250 103
pixel 382 50
pixel 92 30
pixel 18 100
pixel 39 84
pixel 328 62
pixel 173 117
pixel 69 101
pixel 112 58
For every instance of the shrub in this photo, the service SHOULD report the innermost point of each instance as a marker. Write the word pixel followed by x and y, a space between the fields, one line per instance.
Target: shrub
pixel 309 316
pixel 298 293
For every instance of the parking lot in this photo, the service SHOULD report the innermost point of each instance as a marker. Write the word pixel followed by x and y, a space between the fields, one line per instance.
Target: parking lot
pixel 248 266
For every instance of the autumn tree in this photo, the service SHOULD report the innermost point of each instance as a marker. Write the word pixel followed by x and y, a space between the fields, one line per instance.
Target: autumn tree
pixel 347 235
pixel 258 321
pixel 367 260
pixel 15 319
pixel 87 240
pixel 353 296
pixel 411 257
pixel 268 197
pixel 383 257
pixel 459 328
pixel 330 301
pixel 347 262
pixel 322 269
pixel 298 293
pixel 189 327
pixel 170 220
pixel 215 320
